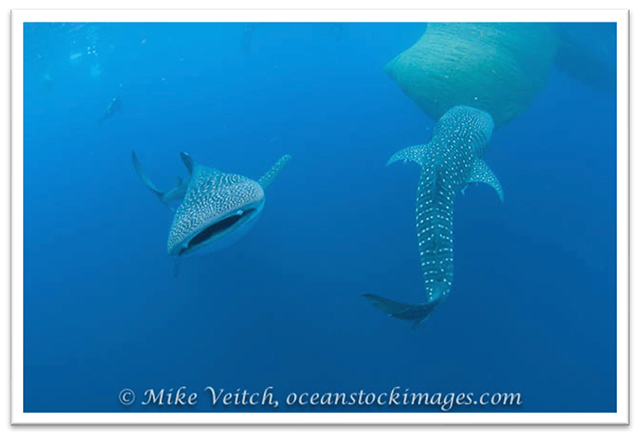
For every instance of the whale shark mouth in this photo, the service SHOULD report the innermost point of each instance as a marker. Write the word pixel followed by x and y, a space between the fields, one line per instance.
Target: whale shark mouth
pixel 219 229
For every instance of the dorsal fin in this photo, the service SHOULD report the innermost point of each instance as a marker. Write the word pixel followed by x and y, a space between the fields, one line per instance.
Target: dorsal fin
pixel 188 162
pixel 267 178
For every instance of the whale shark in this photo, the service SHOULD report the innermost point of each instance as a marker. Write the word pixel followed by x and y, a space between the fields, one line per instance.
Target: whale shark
pixel 217 208
pixel 216 205
pixel 450 161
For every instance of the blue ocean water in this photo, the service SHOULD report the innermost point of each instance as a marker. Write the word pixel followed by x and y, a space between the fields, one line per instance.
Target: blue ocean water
pixel 533 306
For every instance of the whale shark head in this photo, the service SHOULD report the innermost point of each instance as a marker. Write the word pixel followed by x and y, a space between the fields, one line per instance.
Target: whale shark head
pixel 215 206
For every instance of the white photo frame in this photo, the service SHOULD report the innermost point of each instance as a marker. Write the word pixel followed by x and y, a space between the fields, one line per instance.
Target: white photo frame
pixel 621 17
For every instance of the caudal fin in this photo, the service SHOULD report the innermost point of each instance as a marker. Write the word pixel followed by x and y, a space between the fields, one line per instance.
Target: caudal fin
pixel 143 176
pixel 413 313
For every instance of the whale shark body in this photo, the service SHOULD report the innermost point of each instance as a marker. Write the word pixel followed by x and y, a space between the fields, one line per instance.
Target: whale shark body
pixel 451 161
pixel 216 207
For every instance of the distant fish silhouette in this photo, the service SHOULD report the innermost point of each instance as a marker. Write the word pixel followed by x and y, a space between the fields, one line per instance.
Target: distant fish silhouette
pixel 47 82
pixel 114 106
pixel 338 30
pixel 247 37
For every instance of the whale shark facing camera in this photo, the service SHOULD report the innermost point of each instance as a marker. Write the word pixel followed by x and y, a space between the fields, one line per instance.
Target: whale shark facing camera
pixel 216 209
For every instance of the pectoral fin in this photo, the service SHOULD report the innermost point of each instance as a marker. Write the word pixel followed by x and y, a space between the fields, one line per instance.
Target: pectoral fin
pixel 414 153
pixel 267 178
pixel 483 174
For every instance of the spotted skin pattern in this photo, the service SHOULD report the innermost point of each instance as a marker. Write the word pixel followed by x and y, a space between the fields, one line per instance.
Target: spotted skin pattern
pixel 214 204
pixel 449 162
pixel 272 173
pixel 460 138
pixel 211 195
pixel 214 198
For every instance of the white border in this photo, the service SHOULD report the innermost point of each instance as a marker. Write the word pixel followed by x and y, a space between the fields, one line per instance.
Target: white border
pixel 621 17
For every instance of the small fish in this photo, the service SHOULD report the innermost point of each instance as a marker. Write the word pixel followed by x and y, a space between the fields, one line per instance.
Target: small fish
pixel 247 37
pixel 114 106
pixel 338 30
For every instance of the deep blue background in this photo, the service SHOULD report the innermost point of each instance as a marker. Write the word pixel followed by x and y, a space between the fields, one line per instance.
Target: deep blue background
pixel 533 308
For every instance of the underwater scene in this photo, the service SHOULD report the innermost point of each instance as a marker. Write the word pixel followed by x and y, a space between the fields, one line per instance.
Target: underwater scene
pixel 266 216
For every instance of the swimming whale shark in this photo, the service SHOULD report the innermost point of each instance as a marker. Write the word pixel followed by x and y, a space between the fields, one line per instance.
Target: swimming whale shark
pixel 216 205
pixel 450 161
pixel 216 209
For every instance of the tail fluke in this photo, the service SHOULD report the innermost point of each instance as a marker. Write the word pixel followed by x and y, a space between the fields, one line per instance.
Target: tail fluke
pixel 141 174
pixel 274 171
pixel 413 313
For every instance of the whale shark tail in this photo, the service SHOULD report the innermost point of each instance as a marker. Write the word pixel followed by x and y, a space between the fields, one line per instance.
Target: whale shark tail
pixel 413 313
pixel 144 178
